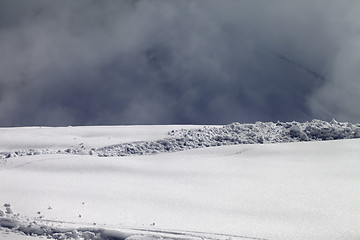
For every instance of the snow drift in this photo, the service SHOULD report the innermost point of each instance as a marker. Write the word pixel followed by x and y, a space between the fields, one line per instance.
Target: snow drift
pixel 231 134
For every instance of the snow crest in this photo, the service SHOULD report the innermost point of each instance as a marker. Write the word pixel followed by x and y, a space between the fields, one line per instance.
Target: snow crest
pixel 237 133
pixel 231 134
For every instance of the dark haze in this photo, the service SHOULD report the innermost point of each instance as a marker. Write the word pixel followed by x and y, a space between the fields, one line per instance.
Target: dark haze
pixel 89 62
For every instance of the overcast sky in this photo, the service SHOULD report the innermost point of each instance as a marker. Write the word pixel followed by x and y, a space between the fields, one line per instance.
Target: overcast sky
pixel 83 62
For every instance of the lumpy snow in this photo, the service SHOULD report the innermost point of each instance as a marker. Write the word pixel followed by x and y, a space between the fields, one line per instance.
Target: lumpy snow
pixel 231 134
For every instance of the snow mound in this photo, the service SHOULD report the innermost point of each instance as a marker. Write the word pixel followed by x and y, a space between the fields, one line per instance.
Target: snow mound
pixel 237 133
pixel 231 134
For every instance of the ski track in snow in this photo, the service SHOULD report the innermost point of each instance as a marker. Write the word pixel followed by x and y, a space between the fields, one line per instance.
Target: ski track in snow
pixel 12 165
pixel 37 227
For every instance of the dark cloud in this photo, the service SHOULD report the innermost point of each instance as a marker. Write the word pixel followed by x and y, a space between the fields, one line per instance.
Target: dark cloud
pixel 157 62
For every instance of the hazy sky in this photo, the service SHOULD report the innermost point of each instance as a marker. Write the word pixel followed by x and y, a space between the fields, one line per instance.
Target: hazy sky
pixel 90 62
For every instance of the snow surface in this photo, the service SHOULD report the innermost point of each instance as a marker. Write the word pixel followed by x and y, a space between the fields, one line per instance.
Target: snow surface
pixel 55 138
pixel 296 190
pixel 8 235
pixel 184 139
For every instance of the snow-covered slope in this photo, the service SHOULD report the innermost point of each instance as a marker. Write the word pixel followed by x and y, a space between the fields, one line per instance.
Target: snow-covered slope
pixel 60 138
pixel 154 139
pixel 297 190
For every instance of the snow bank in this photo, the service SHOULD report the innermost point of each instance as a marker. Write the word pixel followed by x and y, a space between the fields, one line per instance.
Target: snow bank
pixel 236 133
pixel 231 134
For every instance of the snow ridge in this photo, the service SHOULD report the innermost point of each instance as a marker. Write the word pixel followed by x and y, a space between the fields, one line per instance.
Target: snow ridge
pixel 237 133
pixel 231 134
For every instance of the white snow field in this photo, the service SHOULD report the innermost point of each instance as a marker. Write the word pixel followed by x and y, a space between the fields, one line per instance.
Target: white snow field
pixel 298 190
pixel 54 138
